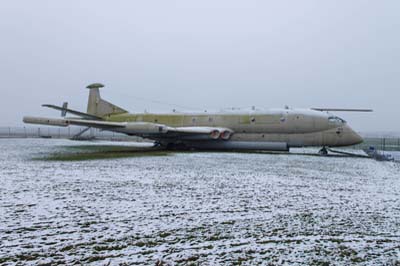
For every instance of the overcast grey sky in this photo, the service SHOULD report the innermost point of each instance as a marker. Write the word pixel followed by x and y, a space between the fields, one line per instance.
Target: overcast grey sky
pixel 206 54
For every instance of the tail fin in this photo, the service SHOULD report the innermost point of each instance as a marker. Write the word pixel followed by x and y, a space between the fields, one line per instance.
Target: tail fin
pixel 99 107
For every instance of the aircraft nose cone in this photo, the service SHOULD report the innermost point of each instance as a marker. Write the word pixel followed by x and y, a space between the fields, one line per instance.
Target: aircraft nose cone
pixel 358 139
pixel 355 138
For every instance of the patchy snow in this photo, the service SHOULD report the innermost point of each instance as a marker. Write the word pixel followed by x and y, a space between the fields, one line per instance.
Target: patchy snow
pixel 207 208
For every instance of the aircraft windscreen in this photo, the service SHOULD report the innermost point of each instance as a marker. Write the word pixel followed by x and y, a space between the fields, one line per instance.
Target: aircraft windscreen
pixel 336 119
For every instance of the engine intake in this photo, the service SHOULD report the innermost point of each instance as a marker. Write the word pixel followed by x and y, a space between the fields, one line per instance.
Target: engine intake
pixel 226 134
pixel 215 134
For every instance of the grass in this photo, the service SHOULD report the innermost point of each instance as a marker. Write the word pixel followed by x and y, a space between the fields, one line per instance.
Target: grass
pixel 97 152
pixel 102 152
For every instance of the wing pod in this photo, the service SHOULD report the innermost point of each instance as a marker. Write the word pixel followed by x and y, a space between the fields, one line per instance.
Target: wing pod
pixel 143 128
pixel 200 133
pixel 45 121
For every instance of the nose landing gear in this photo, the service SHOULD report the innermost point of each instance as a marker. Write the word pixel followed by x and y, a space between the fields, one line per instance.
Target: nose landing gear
pixel 323 151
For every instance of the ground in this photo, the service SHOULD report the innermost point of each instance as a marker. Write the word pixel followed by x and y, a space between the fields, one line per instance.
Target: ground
pixel 194 208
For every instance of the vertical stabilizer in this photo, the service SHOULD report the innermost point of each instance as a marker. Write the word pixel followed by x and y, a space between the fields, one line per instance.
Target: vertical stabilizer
pixel 99 107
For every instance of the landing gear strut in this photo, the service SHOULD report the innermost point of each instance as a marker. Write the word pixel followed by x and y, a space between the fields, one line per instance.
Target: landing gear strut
pixel 157 144
pixel 323 151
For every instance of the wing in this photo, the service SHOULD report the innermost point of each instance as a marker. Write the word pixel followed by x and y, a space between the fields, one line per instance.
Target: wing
pixel 143 129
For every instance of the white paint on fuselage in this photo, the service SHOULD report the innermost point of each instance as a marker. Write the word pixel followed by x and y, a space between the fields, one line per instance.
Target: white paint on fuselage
pixel 296 127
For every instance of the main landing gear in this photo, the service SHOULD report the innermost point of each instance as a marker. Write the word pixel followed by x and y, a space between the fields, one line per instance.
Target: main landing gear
pixel 323 151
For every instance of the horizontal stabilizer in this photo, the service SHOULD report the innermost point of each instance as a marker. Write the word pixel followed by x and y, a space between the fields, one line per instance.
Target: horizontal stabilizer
pixel 341 110
pixel 65 110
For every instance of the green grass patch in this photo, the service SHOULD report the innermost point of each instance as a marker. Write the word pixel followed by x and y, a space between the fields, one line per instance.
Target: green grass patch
pixel 97 152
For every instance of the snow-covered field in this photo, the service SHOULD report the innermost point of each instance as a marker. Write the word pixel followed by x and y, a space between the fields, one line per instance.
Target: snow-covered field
pixel 196 208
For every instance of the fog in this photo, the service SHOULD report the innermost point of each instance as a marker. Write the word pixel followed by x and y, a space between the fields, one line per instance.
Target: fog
pixel 198 55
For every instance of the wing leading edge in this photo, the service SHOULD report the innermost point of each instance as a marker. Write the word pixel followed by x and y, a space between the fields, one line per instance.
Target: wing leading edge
pixel 144 129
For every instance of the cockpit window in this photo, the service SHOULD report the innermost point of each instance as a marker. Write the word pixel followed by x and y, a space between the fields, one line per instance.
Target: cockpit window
pixel 336 119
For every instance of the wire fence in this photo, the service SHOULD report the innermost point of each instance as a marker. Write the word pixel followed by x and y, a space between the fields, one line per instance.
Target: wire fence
pixel 380 143
pixel 79 133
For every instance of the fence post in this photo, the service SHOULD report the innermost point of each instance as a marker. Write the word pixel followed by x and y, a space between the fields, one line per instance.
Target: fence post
pixel 9 132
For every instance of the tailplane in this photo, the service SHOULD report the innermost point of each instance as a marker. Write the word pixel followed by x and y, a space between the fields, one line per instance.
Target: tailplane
pixel 99 107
